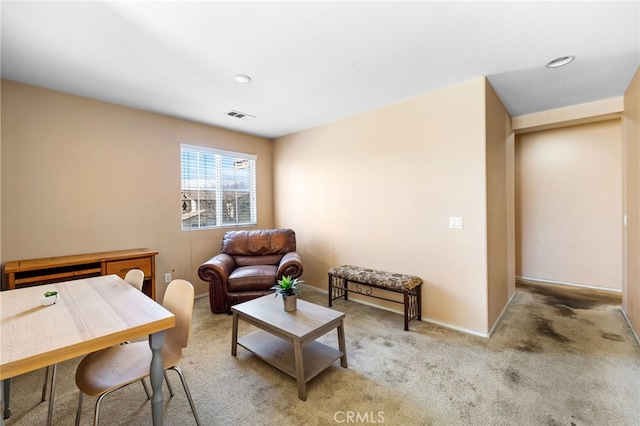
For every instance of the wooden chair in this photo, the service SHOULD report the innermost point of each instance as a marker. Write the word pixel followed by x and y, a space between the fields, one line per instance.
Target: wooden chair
pixel 97 376
pixel 135 277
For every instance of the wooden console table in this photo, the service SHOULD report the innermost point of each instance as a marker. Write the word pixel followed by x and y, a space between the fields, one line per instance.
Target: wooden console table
pixel 25 273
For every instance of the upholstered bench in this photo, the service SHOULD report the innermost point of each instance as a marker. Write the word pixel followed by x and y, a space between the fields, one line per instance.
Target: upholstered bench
pixel 408 285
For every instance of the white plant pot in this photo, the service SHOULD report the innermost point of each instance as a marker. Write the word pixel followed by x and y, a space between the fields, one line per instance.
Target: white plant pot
pixel 48 300
pixel 290 303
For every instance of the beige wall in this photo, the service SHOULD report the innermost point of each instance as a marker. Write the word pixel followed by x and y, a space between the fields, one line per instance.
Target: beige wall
pixel 1 259
pixel 631 202
pixel 377 190
pixel 83 176
pixel 500 206
pixel 569 204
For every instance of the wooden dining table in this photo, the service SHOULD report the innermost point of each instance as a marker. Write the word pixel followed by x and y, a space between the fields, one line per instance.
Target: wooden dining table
pixel 89 314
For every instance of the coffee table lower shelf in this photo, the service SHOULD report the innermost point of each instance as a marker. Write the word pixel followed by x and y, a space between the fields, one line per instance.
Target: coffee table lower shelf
pixel 280 353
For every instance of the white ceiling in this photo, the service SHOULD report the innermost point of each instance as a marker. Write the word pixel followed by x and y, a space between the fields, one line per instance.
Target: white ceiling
pixel 316 62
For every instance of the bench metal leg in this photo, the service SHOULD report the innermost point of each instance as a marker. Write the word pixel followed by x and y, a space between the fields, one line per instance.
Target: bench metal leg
pixel 407 307
pixel 338 291
pixel 412 306
pixel 346 288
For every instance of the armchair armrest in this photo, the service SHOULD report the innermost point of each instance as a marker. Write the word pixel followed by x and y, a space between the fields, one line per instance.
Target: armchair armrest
pixel 290 265
pixel 216 271
pixel 218 267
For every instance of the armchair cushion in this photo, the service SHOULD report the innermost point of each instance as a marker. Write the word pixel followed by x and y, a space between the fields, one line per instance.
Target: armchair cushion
pixel 250 278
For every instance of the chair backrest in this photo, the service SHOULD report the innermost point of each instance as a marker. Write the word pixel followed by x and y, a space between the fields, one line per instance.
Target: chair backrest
pixel 135 277
pixel 258 247
pixel 178 299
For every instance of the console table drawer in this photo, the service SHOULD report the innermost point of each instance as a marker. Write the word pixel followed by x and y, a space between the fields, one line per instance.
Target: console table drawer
pixel 121 267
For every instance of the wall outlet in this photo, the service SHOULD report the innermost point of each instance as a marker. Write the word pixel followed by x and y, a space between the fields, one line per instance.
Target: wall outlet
pixel 455 222
pixel 167 277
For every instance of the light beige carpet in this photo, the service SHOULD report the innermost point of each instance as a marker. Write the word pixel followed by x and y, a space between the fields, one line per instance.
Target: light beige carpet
pixel 560 356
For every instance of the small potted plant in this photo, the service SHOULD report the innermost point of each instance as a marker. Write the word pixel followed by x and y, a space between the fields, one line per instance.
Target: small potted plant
pixel 288 288
pixel 49 298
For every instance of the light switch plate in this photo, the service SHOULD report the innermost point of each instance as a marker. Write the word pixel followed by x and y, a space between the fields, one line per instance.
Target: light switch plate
pixel 455 222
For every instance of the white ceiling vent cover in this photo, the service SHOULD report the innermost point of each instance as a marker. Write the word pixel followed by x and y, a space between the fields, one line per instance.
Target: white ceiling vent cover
pixel 238 114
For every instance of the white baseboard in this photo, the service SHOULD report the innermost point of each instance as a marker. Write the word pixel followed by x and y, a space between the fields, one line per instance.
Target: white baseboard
pixel 495 324
pixel 474 332
pixel 504 310
pixel 593 287
pixel 633 330
pixel 439 323
pixel 457 328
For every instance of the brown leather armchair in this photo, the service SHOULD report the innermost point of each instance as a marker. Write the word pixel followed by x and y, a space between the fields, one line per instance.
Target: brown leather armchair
pixel 250 263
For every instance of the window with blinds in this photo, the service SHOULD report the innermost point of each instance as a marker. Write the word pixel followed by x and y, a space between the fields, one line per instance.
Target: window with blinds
pixel 218 188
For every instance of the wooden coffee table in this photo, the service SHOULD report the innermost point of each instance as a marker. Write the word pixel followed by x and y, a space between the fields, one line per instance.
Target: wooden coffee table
pixel 287 340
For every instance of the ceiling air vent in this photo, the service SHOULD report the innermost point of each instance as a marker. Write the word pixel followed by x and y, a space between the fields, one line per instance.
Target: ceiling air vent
pixel 238 114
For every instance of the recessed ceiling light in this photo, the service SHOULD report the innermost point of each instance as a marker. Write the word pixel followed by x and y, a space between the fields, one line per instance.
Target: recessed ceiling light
pixel 243 78
pixel 558 62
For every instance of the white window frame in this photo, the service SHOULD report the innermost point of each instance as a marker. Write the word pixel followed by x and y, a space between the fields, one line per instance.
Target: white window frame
pixel 199 183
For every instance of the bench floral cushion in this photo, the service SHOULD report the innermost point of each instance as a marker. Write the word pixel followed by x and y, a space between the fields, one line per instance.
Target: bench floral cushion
pixel 376 278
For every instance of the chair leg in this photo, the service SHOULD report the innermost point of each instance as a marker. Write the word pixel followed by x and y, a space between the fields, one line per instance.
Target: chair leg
pixel 52 395
pixel 146 388
pixel 186 391
pixel 166 379
pixel 6 389
pixel 44 385
pixel 97 413
pixel 96 417
pixel 79 412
